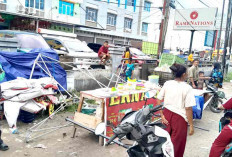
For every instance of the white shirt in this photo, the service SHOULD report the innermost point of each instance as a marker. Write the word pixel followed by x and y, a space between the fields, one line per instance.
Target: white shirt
pixel 177 96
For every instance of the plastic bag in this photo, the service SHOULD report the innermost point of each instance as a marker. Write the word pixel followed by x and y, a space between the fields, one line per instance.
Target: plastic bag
pixel 197 110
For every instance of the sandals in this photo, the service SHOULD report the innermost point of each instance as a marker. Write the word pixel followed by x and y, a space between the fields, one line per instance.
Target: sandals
pixel 3 147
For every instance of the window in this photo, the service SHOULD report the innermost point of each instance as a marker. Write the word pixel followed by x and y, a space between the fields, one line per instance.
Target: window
pixel 128 23
pixel 38 4
pixel 54 43
pixel 91 14
pixel 130 2
pixel 111 19
pixel 3 1
pixel 144 27
pixel 147 6
pixel 66 8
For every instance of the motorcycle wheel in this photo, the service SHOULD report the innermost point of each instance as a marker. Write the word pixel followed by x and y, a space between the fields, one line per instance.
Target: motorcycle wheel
pixel 214 105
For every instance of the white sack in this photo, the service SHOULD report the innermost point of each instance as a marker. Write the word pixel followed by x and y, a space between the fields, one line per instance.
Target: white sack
pixel 11 111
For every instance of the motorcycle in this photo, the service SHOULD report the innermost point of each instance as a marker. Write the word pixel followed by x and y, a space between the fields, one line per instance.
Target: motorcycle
pixel 214 98
pixel 225 120
pixel 151 140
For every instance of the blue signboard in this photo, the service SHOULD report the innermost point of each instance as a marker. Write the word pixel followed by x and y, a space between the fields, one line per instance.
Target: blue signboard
pixel 209 36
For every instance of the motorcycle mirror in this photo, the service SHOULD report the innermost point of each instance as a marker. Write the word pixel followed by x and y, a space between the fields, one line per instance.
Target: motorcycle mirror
pixel 100 128
pixel 150 94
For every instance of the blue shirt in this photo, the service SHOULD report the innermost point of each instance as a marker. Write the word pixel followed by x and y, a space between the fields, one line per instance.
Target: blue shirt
pixel 129 69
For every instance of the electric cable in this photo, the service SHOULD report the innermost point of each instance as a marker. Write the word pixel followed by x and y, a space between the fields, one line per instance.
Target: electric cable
pixel 137 6
pixel 203 3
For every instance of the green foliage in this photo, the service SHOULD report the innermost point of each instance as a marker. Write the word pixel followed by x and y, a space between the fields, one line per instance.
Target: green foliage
pixel 71 108
pixel 228 77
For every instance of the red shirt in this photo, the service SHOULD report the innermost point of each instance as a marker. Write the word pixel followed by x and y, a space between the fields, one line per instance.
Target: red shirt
pixel 224 138
pixel 103 49
pixel 228 104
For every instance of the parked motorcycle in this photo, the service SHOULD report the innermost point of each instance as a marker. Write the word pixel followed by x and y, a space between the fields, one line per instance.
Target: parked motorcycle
pixel 151 140
pixel 214 97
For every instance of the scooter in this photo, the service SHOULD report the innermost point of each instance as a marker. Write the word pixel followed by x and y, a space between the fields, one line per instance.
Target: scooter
pixel 151 140
pixel 214 97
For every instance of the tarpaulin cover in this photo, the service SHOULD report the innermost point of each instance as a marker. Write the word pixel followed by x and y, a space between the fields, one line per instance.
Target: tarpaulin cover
pixel 197 110
pixel 18 64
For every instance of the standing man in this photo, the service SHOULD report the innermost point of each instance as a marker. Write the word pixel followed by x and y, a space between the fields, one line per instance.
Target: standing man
pixel 194 74
pixel 103 53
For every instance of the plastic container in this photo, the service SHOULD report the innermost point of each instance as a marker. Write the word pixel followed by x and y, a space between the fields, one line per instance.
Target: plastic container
pixel 139 86
pixel 120 86
pixel 153 79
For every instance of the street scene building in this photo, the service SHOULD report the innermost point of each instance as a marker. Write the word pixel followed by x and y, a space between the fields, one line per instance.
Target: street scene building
pixel 93 21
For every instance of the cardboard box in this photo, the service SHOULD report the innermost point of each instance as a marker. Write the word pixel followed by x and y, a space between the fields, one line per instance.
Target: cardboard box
pixel 87 120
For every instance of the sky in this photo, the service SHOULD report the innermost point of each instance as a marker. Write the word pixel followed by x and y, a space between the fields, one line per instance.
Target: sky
pixel 182 38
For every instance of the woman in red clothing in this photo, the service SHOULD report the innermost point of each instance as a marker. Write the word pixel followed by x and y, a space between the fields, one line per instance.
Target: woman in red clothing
pixel 178 101
pixel 225 137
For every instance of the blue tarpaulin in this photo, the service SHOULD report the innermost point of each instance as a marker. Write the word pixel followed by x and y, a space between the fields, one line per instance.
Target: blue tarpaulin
pixel 197 110
pixel 18 64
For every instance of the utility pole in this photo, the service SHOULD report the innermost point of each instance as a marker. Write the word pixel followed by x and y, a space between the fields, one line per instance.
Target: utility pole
pixel 163 27
pixel 191 41
pixel 220 31
pixel 226 36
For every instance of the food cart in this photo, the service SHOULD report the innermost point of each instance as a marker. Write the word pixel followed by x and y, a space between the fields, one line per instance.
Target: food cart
pixel 113 106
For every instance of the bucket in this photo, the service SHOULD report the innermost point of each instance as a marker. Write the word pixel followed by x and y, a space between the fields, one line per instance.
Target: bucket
pixel 153 79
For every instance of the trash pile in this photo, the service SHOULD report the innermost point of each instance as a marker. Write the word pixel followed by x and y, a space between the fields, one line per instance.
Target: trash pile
pixel 31 95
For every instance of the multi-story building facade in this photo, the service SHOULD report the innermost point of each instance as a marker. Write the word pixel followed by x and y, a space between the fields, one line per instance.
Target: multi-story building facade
pixel 118 21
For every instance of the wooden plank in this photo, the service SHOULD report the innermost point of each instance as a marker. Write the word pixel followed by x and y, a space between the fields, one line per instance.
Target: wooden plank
pixel 88 96
pixel 80 104
pixel 103 110
pixel 87 120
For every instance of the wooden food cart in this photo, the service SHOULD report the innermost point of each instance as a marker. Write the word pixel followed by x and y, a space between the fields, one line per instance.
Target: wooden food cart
pixel 113 106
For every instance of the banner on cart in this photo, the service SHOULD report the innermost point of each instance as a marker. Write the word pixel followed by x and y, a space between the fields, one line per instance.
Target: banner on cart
pixel 195 19
pixel 117 107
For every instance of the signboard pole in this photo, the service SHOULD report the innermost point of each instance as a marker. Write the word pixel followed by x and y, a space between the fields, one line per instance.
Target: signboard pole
pixel 191 41
pixel 220 32
pixel 226 36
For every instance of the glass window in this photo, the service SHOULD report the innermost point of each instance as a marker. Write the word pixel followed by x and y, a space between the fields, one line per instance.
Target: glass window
pixel 144 27
pixel 66 8
pixel 38 4
pixel 130 2
pixel 91 14
pixel 54 43
pixel 32 3
pixel 147 6
pixel 42 4
pixel 111 19
pixel 31 41
pixel 26 3
pixel 128 23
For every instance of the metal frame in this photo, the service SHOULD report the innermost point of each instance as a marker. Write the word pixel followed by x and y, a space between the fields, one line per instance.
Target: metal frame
pixel 37 127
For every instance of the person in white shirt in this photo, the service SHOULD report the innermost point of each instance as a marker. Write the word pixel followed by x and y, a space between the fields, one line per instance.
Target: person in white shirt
pixel 178 101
